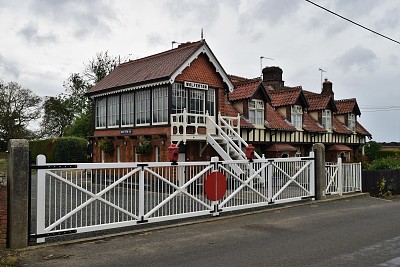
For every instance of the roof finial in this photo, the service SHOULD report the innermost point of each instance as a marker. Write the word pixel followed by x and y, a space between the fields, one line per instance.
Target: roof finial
pixel 202 34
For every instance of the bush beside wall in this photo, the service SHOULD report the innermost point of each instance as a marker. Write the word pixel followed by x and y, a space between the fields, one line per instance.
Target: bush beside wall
pixel 59 150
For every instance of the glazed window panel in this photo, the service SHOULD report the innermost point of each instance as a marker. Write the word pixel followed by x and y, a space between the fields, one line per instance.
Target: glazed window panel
pixel 352 122
pixel 197 101
pixel 211 101
pixel 297 116
pixel 142 109
pixel 127 109
pixel 113 111
pixel 101 115
pixel 179 98
pixel 327 119
pixel 160 105
pixel 256 112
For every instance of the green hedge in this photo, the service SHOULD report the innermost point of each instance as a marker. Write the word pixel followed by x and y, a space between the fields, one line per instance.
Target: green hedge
pixel 60 150
pixel 389 153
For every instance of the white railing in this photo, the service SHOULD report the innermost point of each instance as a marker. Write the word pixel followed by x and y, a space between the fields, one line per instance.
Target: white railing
pixel 342 177
pixel 86 197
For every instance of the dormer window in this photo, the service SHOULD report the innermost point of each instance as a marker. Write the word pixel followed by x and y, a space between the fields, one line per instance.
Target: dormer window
pixel 297 116
pixel 351 122
pixel 327 119
pixel 256 111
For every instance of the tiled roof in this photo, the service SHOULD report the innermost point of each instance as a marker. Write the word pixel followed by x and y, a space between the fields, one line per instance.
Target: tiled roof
pixel 338 127
pixel 310 125
pixel 231 111
pixel 318 102
pixel 276 121
pixel 361 130
pixel 284 97
pixel 309 93
pixel 156 67
pixel 345 106
pixel 237 80
pixel 244 91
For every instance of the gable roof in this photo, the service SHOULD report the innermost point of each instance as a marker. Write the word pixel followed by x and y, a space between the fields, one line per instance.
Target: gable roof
pixel 287 97
pixel 345 106
pixel 248 90
pixel 320 102
pixel 276 121
pixel 157 69
pixel 310 125
pixel 231 111
pixel 338 127
pixel 361 130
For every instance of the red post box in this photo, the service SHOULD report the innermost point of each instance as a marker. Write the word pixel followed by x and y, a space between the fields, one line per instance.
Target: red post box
pixel 250 151
pixel 173 152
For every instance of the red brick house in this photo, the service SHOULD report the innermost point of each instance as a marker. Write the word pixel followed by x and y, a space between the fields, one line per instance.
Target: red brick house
pixel 184 96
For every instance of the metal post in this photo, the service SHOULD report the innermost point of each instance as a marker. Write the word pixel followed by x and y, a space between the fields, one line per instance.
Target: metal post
pixel 312 174
pixel 340 175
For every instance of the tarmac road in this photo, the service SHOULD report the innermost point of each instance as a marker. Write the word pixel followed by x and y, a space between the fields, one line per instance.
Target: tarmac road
pixel 358 231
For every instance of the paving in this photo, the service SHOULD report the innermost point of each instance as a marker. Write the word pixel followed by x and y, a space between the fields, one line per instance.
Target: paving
pixel 163 245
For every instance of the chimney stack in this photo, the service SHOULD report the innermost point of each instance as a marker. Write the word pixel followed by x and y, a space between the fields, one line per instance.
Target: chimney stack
pixel 273 76
pixel 327 88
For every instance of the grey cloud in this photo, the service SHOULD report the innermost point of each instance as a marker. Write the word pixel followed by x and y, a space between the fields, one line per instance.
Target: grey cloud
pixel 82 17
pixel 31 34
pixel 354 7
pixel 266 13
pixel 203 13
pixel 358 57
pixel 391 20
pixel 394 60
pixel 155 39
pixel 9 67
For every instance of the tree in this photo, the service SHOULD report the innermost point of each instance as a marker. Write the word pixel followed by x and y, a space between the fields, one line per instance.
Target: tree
pixel 372 149
pixel 18 107
pixel 57 116
pixel 100 66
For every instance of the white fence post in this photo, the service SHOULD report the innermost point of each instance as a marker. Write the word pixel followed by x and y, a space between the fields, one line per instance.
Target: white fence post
pixel 141 194
pixel 340 176
pixel 40 197
pixel 270 175
pixel 214 163
pixel 312 175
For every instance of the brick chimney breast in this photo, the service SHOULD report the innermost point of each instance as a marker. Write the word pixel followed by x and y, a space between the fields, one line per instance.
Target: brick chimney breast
pixel 327 88
pixel 273 77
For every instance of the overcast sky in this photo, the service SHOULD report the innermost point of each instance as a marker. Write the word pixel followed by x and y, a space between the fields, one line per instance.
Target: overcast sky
pixel 42 42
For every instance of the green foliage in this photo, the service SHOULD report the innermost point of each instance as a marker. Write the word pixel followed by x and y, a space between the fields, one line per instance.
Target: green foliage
pixel 57 116
pixel 18 107
pixel 59 150
pixel 107 146
pixel 389 153
pixel 384 164
pixel 372 150
pixel 383 190
pixel 82 126
pixel 143 146
pixel 70 149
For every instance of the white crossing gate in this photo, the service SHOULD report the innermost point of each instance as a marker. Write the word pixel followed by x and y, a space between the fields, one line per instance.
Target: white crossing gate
pixel 342 177
pixel 83 197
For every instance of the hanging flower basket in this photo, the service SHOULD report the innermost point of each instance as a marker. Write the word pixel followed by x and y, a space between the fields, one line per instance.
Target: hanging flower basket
pixel 143 146
pixel 107 146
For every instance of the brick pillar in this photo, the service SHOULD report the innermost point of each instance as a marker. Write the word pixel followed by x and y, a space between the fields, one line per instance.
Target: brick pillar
pixel 18 192
pixel 3 211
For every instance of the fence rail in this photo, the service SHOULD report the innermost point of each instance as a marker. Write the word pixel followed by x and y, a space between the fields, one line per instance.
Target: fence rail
pixel 95 196
pixel 343 177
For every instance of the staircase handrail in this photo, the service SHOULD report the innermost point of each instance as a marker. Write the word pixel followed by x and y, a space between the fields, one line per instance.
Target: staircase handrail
pixel 238 137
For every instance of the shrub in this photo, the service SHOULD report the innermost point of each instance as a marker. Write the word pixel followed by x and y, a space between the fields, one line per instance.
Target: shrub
pixel 384 164
pixel 70 149
pixel 143 146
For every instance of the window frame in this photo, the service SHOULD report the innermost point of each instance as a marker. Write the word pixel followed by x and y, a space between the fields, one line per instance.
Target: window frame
pixel 127 109
pixel 160 105
pixel 101 112
pixel 296 115
pixel 327 119
pixel 256 112
pixel 179 98
pixel 144 98
pixel 351 121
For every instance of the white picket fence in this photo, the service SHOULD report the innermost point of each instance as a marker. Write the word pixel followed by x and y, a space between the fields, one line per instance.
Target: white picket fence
pixel 343 177
pixel 84 197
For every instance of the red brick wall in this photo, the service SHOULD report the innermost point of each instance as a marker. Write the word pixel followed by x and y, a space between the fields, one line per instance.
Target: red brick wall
pixel 3 216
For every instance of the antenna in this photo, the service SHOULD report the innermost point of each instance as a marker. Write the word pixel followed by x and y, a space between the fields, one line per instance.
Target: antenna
pixel 321 70
pixel 202 34
pixel 261 66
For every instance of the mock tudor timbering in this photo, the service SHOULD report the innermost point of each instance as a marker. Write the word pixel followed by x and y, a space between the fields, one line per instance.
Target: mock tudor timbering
pixel 145 99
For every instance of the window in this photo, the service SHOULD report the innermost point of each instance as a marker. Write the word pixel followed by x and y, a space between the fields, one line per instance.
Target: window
pixel 142 109
pixel 327 119
pixel 101 112
pixel 179 98
pixel 160 105
pixel 211 101
pixel 197 98
pixel 256 112
pixel 352 122
pixel 127 109
pixel 297 116
pixel 113 111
